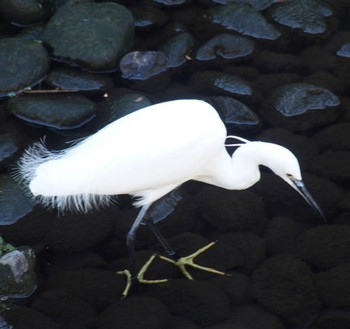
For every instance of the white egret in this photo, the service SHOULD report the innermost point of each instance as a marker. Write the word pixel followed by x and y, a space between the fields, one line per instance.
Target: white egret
pixel 147 154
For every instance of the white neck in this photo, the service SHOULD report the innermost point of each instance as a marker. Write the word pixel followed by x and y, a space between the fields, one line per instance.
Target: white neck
pixel 238 172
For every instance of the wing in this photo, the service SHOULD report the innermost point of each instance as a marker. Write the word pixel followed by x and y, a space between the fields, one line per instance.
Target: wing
pixel 147 154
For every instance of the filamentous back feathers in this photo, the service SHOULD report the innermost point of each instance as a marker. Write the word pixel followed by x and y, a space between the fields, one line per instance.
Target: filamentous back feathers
pixel 37 155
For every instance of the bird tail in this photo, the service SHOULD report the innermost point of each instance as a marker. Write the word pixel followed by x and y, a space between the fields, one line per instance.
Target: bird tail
pixel 32 158
pixel 38 181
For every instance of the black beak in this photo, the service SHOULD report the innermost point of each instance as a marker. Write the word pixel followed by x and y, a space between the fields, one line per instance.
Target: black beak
pixel 300 187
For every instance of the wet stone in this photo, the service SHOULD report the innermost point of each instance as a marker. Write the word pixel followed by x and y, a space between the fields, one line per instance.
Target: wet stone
pixel 169 3
pixel 233 211
pixel 177 49
pixel 147 17
pixel 117 106
pixel 99 288
pixel 145 70
pixel 225 46
pixel 267 83
pixel 317 98
pixel 24 64
pixel 91 35
pixel 215 82
pixel 182 323
pixel 306 15
pixel 56 111
pixel 236 287
pixel 344 51
pixel 4 324
pixel 199 301
pixel 9 145
pixel 334 165
pixel 25 317
pixel 14 203
pixel 333 287
pixel 66 310
pixel 23 12
pixel 257 4
pixel 151 313
pixel 17 276
pixel 143 65
pixel 243 19
pixel 326 80
pixel 325 247
pixel 251 246
pixel 333 319
pixel 301 107
pixel 235 114
pixel 78 232
pixel 284 285
pixel 70 79
pixel 280 236
pixel 250 316
pixel 278 62
pixel 334 137
pixel 318 59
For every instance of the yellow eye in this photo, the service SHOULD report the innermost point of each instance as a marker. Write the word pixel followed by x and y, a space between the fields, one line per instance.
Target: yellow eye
pixel 289 175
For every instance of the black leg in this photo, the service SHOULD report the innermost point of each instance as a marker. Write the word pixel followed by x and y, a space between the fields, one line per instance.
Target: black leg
pixel 167 248
pixel 130 239
pixel 131 273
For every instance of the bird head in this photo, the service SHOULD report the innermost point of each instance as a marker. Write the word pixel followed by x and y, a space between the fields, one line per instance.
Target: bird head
pixel 285 165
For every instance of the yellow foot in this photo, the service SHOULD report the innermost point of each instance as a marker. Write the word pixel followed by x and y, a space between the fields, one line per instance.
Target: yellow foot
pixel 139 277
pixel 188 260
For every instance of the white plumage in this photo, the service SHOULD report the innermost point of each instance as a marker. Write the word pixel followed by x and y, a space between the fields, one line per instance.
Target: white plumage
pixel 147 154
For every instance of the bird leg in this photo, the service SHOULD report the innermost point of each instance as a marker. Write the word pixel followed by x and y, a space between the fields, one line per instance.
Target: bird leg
pixel 181 262
pixel 139 277
pixel 188 261
pixel 130 273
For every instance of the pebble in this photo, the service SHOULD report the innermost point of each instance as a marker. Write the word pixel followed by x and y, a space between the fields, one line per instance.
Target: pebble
pixel 325 247
pixel 284 285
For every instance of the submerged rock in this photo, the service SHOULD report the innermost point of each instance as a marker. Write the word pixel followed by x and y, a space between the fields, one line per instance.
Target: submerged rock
pixel 257 4
pixel 309 97
pixel 24 64
pixel 90 35
pixel 333 287
pixel 145 70
pixel 23 12
pixel 243 19
pixel 152 313
pixel 17 276
pixel 204 303
pixel 301 107
pixel 55 111
pixel 14 203
pixel 334 137
pixel 234 113
pixel 147 17
pixel 215 82
pixel 325 247
pixel 306 15
pixel 344 51
pixel 9 145
pixel 225 46
pixel 285 286
pixel 143 65
pixel 178 49
pixel 115 107
pixel 70 79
